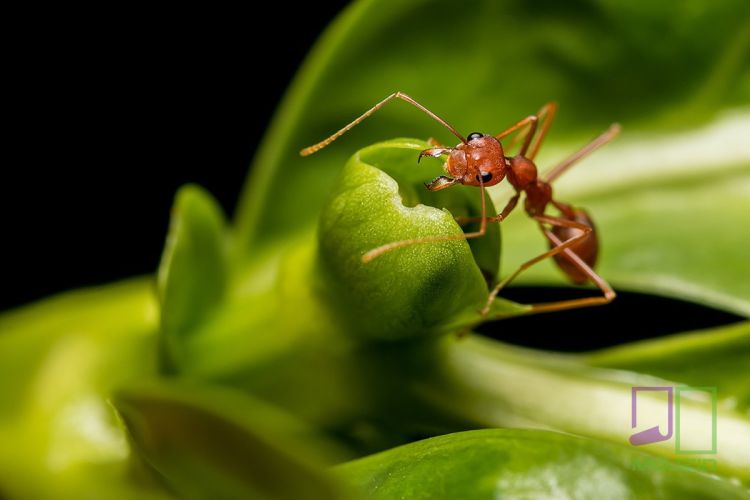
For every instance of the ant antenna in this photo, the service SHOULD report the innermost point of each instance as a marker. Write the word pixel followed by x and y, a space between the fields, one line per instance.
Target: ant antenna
pixel 396 95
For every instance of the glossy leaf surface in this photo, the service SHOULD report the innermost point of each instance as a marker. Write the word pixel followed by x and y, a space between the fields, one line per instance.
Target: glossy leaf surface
pixel 497 463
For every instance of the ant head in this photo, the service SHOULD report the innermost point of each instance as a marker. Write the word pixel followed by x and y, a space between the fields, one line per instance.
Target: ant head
pixel 481 157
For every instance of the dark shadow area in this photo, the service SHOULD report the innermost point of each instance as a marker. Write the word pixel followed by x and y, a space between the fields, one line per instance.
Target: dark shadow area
pixel 630 317
pixel 109 118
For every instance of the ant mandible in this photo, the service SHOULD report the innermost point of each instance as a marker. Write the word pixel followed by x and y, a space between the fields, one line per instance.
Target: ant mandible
pixel 479 160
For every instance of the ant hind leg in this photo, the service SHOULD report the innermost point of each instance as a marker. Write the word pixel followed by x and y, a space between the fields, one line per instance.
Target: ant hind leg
pixel 608 294
pixel 559 247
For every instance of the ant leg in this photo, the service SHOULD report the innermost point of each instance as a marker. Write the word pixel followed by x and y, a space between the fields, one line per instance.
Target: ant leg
pixel 497 218
pixel 589 148
pixel 559 247
pixel 378 251
pixel 555 221
pixel 396 95
pixel 607 293
pixel 435 143
pixel 546 115
pixel 530 122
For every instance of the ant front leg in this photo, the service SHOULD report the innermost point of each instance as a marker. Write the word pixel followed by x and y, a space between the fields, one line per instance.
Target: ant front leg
pixel 437 184
pixel 496 218
pixel 559 247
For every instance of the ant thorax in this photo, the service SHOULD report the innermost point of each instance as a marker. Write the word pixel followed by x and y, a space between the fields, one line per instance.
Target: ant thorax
pixel 522 172
pixel 523 176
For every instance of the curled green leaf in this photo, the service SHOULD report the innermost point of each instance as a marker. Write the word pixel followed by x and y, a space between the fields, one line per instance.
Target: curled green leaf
pixel 420 289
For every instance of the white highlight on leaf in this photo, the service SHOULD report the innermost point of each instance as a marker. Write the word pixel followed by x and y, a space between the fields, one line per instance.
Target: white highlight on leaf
pixel 638 157
pixel 85 432
pixel 583 477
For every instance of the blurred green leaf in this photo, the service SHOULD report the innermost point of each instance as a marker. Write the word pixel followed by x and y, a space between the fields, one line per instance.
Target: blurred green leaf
pixel 193 272
pixel 214 443
pixel 668 196
pixel 520 463
pixel 59 359
pixel 717 357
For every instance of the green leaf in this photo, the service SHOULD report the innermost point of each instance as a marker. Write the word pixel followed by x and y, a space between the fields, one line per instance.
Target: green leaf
pixel 486 383
pixel 669 196
pixel 193 272
pixel 413 291
pixel 500 463
pixel 717 357
pixel 207 442
pixel 59 360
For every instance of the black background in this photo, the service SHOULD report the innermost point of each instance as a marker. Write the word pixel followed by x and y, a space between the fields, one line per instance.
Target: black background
pixel 110 112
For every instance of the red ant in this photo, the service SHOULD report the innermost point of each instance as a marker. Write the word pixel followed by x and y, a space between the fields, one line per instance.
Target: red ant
pixel 479 160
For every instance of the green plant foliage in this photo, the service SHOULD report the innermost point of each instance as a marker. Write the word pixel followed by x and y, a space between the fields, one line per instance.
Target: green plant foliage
pixel 489 384
pixel 59 361
pixel 277 315
pixel 668 196
pixel 520 463
pixel 193 273
pixel 677 235
pixel 717 357
pixel 218 444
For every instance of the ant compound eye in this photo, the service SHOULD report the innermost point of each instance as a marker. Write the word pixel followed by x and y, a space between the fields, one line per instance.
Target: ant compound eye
pixel 475 135
pixel 486 177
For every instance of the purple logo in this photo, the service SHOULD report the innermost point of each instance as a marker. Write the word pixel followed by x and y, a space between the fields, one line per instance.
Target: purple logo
pixel 652 434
